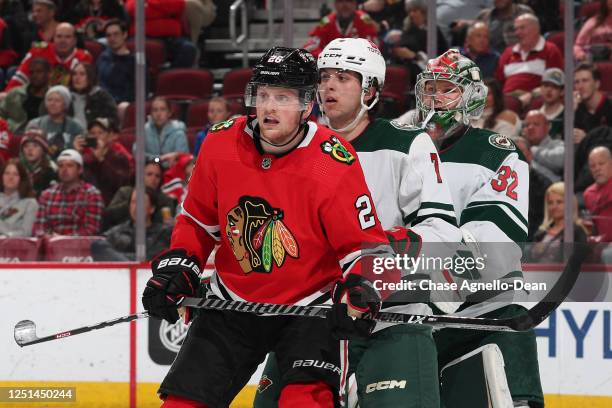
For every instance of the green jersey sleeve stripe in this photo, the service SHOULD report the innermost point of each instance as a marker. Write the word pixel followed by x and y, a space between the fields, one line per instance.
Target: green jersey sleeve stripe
pixel 516 212
pixel 497 216
pixel 409 219
pixel 439 206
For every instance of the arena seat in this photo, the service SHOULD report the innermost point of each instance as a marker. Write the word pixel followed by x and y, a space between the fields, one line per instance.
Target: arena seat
pixel 19 249
pixel 605 70
pixel 63 248
pixel 155 52
pixel 94 48
pixel 397 85
pixel 235 81
pixel 185 84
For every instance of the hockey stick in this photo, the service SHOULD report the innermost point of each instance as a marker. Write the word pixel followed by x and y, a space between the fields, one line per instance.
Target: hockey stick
pixel 25 330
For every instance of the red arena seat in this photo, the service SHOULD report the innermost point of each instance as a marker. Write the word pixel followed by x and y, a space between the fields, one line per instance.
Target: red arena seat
pixel 63 248
pixel 185 83
pixel 235 81
pixel 19 249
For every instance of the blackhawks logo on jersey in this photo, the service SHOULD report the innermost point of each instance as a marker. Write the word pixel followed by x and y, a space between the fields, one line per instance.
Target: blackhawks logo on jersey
pixel 222 125
pixel 337 151
pixel 258 236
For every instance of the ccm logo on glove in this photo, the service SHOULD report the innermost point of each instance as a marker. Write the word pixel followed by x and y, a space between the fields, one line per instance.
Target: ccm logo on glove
pixel 179 261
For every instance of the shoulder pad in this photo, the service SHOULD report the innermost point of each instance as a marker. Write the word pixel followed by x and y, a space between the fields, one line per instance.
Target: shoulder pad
pixel 403 126
pixel 501 142
pixel 222 125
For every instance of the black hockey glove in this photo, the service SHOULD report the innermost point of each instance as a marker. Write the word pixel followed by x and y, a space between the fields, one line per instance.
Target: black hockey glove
pixel 358 293
pixel 175 275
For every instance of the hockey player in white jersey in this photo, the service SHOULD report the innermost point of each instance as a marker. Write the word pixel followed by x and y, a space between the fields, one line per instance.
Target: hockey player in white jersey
pixel 489 182
pixel 409 190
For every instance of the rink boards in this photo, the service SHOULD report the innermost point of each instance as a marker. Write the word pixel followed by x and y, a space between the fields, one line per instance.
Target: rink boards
pixel 121 366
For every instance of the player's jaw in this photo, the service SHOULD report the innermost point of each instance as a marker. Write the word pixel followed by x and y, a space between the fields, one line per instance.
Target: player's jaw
pixel 277 126
pixel 340 108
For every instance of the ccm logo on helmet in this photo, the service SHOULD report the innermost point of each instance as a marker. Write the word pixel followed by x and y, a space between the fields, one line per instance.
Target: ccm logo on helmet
pixel 332 55
pixel 179 261
pixel 385 385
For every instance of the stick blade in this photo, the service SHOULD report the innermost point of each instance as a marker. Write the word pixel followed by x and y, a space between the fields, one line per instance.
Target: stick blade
pixel 25 332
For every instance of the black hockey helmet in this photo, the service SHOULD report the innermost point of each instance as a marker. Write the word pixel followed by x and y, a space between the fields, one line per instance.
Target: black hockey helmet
pixel 293 68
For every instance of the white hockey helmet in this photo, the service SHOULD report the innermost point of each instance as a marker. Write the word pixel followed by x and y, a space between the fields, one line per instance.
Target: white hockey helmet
pixel 358 55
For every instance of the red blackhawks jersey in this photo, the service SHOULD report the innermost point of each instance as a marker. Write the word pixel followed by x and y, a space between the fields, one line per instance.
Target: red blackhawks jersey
pixel 289 226
pixel 328 30
pixel 60 68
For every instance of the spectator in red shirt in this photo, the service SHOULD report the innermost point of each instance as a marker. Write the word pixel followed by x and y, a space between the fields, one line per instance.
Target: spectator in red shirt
pixel 43 16
pixel 521 66
pixel 598 196
pixel 164 20
pixel 62 54
pixel 108 165
pixel 71 207
pixel 345 22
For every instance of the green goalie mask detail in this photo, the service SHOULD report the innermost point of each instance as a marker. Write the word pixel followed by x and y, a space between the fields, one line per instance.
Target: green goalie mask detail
pixel 460 71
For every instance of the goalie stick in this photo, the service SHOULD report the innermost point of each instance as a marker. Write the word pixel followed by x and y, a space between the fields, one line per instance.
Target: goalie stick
pixel 25 330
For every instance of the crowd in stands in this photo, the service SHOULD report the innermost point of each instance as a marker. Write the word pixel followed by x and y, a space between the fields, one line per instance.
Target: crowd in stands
pixel 67 78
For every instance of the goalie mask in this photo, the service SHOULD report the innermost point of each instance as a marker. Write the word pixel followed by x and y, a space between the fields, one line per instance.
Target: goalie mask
pixel 444 77
pixel 361 56
pixel 292 68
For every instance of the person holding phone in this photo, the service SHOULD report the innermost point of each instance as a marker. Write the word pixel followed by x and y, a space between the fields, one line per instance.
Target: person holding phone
pixel 108 165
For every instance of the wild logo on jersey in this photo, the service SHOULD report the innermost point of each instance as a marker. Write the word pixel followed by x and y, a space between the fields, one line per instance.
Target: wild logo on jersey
pixel 258 235
pixel 337 151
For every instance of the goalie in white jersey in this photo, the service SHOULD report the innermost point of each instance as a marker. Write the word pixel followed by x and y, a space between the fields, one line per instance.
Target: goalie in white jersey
pixel 403 173
pixel 489 182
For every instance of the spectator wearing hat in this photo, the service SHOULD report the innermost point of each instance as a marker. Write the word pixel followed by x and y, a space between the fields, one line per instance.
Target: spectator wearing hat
pixel 43 16
pixel 34 155
pixel 72 206
pixel 553 82
pixel 18 206
pixel 24 103
pixel 108 165
pixel 60 128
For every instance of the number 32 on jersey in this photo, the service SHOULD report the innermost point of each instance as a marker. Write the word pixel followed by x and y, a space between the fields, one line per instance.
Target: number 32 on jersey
pixel 507 180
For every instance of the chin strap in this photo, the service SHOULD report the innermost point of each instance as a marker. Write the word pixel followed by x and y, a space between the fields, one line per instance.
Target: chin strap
pixel 364 109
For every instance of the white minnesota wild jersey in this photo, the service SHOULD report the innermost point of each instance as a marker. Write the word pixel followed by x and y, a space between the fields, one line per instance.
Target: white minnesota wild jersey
pixel 489 182
pixel 402 170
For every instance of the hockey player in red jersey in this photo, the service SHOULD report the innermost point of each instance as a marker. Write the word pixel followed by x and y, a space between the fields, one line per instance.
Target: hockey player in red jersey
pixel 287 203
